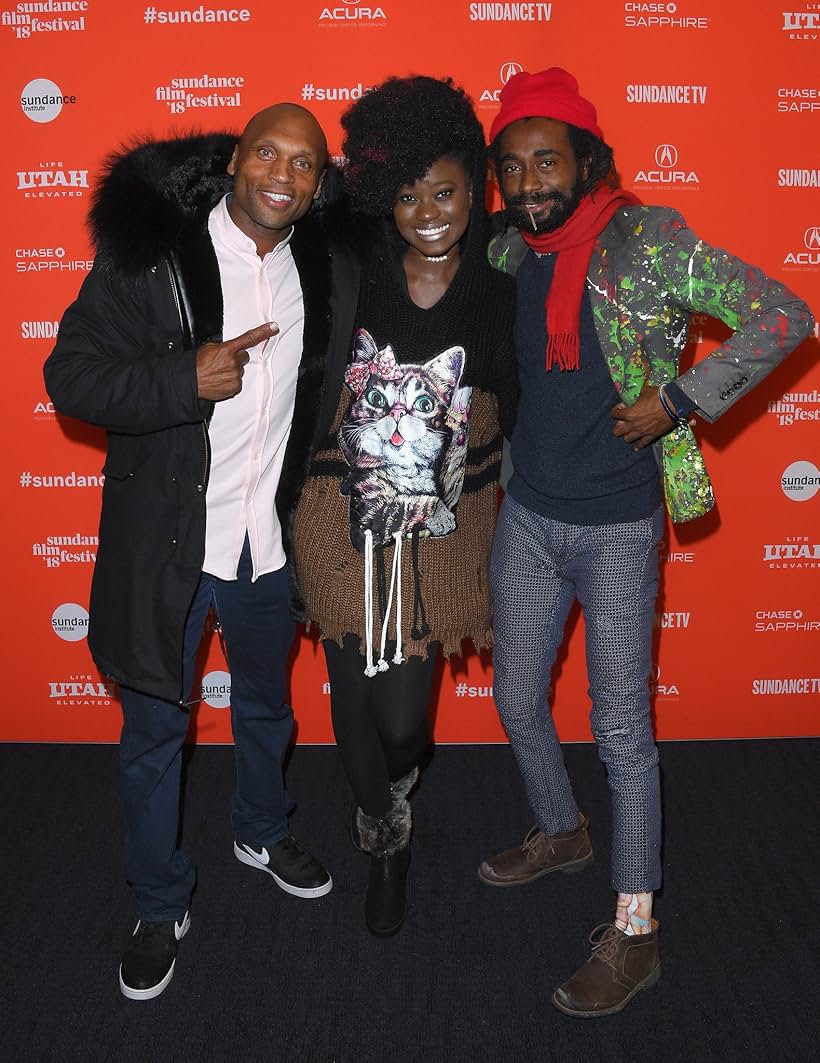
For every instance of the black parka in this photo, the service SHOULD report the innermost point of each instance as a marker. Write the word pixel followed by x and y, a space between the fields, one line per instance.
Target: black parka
pixel 125 359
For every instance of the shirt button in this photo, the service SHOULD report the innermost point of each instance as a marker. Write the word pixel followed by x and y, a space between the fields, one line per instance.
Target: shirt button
pixel 170 345
pixel 199 487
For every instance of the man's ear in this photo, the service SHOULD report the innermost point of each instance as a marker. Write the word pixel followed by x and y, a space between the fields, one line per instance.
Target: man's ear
pixel 586 163
pixel 319 186
pixel 232 163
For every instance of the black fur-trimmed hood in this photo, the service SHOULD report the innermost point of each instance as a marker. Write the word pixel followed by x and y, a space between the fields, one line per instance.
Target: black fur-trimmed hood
pixel 155 195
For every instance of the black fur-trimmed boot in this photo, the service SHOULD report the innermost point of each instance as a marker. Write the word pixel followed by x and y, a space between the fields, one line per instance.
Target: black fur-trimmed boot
pixel 387 840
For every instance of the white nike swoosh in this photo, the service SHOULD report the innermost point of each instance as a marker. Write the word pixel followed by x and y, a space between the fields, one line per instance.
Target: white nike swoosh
pixel 261 856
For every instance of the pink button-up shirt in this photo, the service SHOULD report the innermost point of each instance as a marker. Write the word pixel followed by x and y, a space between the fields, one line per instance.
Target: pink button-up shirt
pixel 249 432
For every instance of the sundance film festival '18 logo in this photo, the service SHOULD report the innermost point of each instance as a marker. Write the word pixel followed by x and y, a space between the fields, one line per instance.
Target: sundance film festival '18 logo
pixel 25 22
pixel 808 259
pixel 668 172
pixel 352 12
pixel 795 407
pixel 197 93
pixel 490 97
pixel 52 181
pixel 42 101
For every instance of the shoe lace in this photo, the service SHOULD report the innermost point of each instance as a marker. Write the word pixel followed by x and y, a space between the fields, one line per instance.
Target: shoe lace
pixel 604 941
pixel 532 839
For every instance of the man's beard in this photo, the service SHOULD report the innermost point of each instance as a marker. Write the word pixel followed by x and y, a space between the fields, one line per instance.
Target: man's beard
pixel 564 205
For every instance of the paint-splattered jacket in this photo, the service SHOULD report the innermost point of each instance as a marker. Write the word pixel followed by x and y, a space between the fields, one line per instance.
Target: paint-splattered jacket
pixel 647 274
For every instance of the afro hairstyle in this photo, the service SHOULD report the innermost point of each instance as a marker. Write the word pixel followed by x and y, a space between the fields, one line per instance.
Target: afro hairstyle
pixel 395 132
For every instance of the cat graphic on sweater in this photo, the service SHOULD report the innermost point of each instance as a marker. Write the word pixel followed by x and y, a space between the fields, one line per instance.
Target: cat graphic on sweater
pixel 404 437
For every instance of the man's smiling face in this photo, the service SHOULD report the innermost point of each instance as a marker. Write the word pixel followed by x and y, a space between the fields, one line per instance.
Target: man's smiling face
pixel 277 168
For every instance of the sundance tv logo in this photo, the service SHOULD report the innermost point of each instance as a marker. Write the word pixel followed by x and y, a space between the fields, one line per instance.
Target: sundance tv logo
pixel 798 178
pixel 510 12
pixel 669 170
pixel 42 101
pixel 353 13
pixel 676 94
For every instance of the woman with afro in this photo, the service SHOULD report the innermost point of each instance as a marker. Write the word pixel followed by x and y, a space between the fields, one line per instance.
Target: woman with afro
pixel 393 531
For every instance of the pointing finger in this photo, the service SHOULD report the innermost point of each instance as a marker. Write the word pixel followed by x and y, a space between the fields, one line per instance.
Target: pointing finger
pixel 252 337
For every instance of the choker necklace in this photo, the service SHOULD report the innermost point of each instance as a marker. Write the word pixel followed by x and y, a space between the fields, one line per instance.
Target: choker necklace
pixel 437 258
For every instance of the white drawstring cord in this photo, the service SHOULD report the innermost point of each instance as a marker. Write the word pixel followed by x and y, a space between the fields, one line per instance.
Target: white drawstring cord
pixel 370 668
pixel 397 656
pixel 396 567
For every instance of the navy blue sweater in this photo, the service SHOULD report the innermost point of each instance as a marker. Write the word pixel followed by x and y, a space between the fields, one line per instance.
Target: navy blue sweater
pixel 568 465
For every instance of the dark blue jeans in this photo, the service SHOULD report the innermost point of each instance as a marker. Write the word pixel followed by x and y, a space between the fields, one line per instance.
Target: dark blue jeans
pixel 258 633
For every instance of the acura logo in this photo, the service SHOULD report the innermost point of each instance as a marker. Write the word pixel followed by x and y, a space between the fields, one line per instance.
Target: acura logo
pixel 811 238
pixel 509 70
pixel 666 155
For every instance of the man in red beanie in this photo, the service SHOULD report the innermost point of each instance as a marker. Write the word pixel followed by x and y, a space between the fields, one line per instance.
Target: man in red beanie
pixel 605 290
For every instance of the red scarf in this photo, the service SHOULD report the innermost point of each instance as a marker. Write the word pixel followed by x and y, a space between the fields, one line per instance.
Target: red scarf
pixel 574 241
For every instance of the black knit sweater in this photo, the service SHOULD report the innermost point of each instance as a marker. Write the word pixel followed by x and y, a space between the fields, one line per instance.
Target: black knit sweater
pixel 445 593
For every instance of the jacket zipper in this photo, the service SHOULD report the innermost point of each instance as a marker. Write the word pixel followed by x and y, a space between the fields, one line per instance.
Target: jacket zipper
pixel 186 332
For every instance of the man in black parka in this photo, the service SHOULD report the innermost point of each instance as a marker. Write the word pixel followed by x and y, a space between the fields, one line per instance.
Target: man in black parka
pixel 209 341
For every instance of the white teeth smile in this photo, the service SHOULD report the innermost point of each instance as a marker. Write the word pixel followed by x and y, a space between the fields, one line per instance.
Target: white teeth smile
pixel 428 234
pixel 277 197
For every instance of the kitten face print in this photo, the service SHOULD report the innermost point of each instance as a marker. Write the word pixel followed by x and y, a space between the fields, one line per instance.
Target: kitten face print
pixel 395 436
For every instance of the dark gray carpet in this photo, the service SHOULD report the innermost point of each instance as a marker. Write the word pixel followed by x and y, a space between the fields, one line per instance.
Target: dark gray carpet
pixel 265 976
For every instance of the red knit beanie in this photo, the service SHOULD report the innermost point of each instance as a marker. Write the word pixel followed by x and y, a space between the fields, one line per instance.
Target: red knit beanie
pixel 550 93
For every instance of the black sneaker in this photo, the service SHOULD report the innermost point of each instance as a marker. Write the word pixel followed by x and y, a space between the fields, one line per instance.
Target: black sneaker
pixel 294 870
pixel 148 964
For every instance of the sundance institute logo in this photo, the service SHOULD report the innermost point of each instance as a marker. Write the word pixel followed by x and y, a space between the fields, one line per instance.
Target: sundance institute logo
pixel 42 100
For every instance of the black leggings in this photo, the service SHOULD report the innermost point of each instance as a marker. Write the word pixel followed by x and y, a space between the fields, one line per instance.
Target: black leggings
pixel 380 723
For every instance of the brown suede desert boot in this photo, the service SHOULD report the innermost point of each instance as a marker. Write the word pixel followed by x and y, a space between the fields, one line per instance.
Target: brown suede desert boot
pixel 620 966
pixel 537 855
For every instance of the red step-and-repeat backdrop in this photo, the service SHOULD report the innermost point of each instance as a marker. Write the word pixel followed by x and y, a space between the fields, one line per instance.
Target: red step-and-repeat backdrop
pixel 712 107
